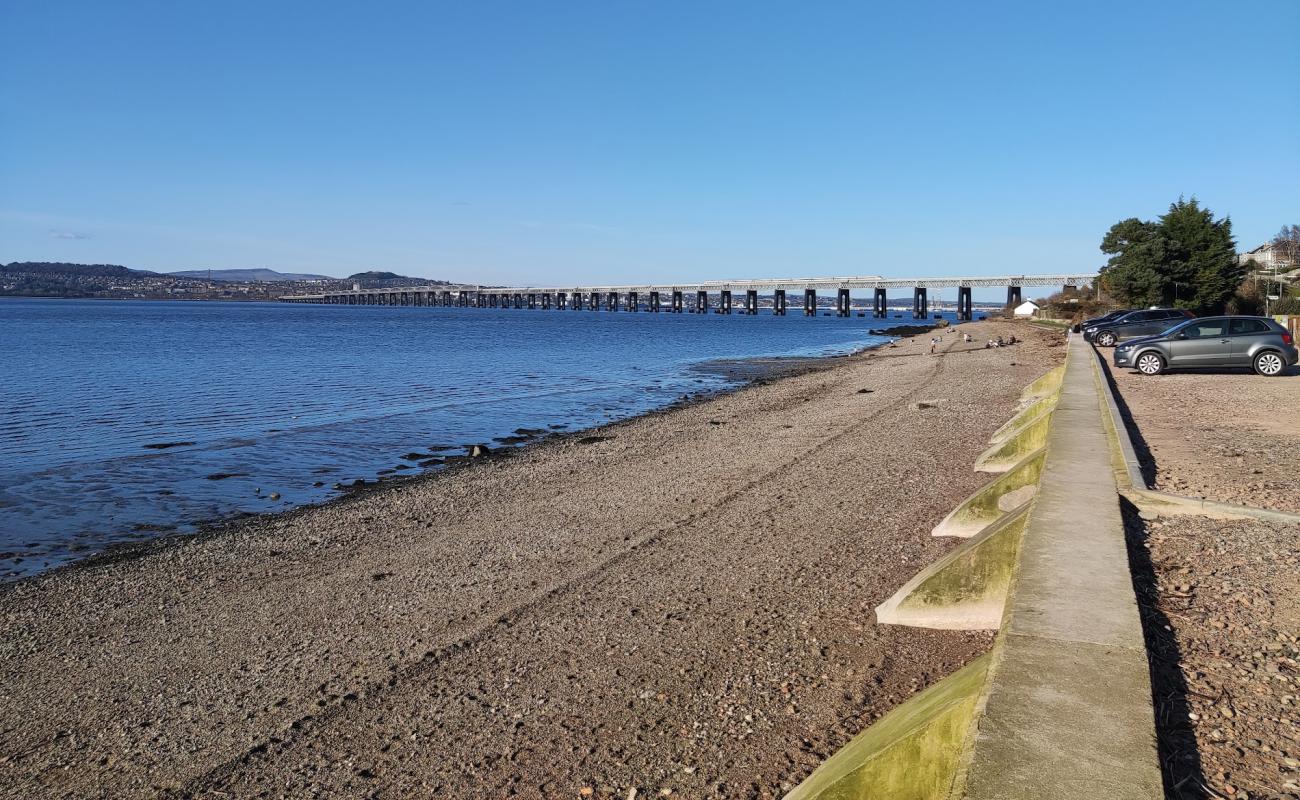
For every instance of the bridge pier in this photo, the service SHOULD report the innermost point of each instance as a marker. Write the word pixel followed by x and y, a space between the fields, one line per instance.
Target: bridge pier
pixel 677 302
pixel 594 303
pixel 701 302
pixel 842 307
pixel 880 309
pixel 561 301
pixel 963 304
pixel 1013 296
pixel 778 302
pixel 532 301
pixel 654 301
pixel 546 301
pixel 724 302
pixel 810 302
pixel 577 301
pixel 751 301
pixel 632 303
pixel 611 301
pixel 920 303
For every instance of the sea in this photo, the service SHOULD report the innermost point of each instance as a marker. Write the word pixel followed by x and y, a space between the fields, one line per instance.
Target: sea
pixel 122 421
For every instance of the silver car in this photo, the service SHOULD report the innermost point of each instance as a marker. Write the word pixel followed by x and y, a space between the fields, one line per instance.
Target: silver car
pixel 1207 342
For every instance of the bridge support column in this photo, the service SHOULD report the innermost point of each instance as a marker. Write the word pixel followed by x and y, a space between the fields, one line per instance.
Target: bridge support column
pixel 724 301
pixel 532 301
pixel 920 303
pixel 632 303
pixel 751 301
pixel 778 302
pixel 654 301
pixel 842 303
pixel 611 301
pixel 576 301
pixel 1013 296
pixel 880 309
pixel 810 302
pixel 561 301
pixel 677 301
pixel 963 304
pixel 546 301
pixel 701 302
pixel 594 305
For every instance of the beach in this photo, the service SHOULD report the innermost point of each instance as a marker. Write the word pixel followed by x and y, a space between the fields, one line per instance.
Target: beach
pixel 677 603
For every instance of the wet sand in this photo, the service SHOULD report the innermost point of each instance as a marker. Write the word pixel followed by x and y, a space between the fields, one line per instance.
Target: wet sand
pixel 680 602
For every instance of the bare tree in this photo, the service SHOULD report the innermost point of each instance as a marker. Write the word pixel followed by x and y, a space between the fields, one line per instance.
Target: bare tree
pixel 1286 246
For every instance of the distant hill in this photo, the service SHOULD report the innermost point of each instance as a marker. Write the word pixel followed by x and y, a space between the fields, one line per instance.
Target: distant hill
pixel 78 270
pixel 375 279
pixel 373 275
pixel 245 275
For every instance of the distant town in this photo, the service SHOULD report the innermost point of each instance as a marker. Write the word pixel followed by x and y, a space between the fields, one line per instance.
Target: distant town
pixel 111 281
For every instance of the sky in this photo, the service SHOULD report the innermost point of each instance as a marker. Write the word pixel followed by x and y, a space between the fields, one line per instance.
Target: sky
pixel 611 141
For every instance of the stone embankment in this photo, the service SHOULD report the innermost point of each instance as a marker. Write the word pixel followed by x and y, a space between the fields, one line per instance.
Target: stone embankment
pixel 1061 706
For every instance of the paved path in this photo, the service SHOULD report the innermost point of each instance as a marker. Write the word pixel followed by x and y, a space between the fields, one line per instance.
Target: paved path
pixel 1069 709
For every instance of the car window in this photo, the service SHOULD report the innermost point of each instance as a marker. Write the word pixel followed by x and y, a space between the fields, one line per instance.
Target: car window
pixel 1137 316
pixel 1173 314
pixel 1249 326
pixel 1206 329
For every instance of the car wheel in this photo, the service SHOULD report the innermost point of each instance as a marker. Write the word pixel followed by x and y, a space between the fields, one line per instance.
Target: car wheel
pixel 1269 364
pixel 1106 339
pixel 1150 364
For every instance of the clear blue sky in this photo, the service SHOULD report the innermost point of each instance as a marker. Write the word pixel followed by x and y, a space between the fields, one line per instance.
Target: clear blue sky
pixel 575 141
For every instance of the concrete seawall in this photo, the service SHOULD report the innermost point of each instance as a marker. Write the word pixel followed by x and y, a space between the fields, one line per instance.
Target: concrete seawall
pixel 1061 707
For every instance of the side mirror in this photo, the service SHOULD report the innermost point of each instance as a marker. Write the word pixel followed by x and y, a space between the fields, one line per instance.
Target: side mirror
pixel 1180 335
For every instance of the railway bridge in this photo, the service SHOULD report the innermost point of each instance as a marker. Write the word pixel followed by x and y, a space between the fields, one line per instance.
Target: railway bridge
pixel 721 296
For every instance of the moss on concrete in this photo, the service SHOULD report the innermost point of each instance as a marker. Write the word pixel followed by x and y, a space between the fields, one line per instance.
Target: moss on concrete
pixel 1004 455
pixel 911 753
pixel 1026 416
pixel 981 508
pixel 1048 384
pixel 966 589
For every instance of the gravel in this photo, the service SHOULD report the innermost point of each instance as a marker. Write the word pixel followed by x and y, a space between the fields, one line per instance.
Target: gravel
pixel 673 606
pixel 1221 609
pixel 1230 436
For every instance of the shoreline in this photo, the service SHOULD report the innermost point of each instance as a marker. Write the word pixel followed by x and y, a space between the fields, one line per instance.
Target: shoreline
pixel 743 372
pixel 684 604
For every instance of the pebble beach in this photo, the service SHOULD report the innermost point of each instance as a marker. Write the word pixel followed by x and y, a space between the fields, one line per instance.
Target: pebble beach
pixel 680 603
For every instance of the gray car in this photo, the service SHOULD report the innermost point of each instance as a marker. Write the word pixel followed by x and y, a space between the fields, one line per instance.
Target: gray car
pixel 1143 322
pixel 1256 342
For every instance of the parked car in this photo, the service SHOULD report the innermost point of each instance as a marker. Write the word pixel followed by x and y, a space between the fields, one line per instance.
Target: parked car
pixel 1144 322
pixel 1095 321
pixel 1256 342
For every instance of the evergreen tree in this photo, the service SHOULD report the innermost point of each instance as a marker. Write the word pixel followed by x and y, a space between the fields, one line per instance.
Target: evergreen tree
pixel 1134 273
pixel 1186 258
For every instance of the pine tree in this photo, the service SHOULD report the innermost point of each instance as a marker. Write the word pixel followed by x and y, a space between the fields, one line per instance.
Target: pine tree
pixel 1186 258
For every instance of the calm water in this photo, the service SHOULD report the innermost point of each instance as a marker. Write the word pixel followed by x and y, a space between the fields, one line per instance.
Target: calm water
pixel 292 400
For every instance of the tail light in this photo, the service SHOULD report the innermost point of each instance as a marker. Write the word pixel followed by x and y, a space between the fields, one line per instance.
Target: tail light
pixel 1286 337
